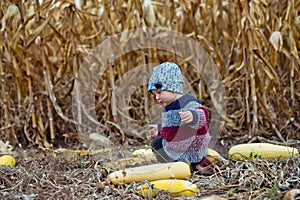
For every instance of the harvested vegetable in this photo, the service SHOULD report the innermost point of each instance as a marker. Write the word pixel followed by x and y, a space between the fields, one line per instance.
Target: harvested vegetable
pixel 261 150
pixel 177 188
pixel 174 170
pixel 7 160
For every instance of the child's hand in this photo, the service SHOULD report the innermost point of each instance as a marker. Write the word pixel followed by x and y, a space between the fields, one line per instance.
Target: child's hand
pixel 153 130
pixel 186 117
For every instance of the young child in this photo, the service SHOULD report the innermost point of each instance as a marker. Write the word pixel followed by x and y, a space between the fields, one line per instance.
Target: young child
pixel 183 134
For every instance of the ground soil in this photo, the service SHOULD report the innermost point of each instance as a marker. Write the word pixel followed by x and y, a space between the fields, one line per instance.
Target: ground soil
pixel 52 174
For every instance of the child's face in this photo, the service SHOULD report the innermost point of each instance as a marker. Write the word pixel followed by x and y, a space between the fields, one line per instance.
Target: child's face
pixel 163 97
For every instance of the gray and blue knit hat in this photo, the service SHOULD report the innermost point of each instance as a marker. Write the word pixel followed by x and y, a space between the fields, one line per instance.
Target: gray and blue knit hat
pixel 166 76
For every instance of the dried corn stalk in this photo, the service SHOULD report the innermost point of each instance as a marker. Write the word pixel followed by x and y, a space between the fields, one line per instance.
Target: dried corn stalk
pixel 255 44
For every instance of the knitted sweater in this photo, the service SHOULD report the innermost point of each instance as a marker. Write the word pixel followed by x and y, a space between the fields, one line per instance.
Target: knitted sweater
pixel 185 142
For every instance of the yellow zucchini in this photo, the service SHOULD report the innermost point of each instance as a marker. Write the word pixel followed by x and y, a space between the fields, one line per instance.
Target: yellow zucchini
pixel 143 153
pixel 149 155
pixel 177 188
pixel 213 155
pixel 7 160
pixel 173 170
pixel 261 150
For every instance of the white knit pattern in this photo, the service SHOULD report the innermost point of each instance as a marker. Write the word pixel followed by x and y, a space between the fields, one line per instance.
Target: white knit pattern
pixel 177 149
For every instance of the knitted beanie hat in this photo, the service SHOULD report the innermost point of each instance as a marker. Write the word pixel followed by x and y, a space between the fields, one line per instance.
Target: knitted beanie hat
pixel 166 76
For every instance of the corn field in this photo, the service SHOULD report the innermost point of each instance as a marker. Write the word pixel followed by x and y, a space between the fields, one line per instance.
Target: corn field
pixel 47 45
pixel 254 43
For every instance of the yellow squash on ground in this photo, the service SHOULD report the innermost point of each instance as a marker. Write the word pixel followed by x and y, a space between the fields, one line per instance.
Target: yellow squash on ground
pixel 145 153
pixel 177 188
pixel 149 155
pixel 152 172
pixel 7 160
pixel 213 155
pixel 261 150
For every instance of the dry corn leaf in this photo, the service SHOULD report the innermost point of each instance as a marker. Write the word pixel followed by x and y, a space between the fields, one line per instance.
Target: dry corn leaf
pixel 148 13
pixel 38 30
pixel 5 148
pixel 11 11
pixel 292 194
pixel 276 40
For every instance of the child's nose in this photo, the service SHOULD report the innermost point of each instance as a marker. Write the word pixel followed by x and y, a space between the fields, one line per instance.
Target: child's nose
pixel 156 97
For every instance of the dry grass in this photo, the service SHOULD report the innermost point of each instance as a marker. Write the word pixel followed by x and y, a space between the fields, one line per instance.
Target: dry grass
pixel 51 175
